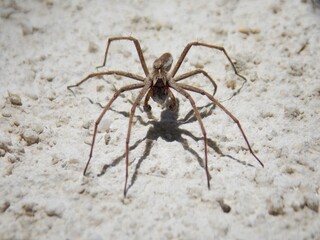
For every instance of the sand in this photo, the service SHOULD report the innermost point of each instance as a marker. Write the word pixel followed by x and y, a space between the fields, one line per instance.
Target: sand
pixel 46 130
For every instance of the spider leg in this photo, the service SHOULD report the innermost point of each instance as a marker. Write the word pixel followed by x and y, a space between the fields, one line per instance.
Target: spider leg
pixel 119 73
pixel 195 72
pixel 116 94
pixel 143 91
pixel 180 90
pixel 146 106
pixel 173 102
pixel 187 48
pixel 197 90
pixel 138 47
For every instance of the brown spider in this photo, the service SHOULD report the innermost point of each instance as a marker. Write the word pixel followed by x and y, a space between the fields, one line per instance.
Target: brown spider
pixel 157 84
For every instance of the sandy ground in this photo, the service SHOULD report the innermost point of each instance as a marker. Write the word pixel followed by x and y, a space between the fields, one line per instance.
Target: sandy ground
pixel 46 131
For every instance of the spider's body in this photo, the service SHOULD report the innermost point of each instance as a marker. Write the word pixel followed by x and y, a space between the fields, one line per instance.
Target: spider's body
pixel 158 84
pixel 159 90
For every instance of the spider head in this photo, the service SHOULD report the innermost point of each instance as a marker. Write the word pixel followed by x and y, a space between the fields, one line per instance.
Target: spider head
pixel 163 63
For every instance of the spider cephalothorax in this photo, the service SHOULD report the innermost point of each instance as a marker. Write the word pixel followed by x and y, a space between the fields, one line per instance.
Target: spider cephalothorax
pixel 158 85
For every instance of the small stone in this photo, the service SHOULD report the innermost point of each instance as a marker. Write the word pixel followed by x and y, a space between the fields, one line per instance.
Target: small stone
pixel 27 29
pixel 312 202
pixel 86 125
pixel 244 30
pixel 297 202
pixel 276 206
pixel 18 148
pixel 2 152
pixel 16 123
pixel 107 138
pixel 4 205
pixel 248 31
pixel 5 143
pixel 199 65
pixel 73 161
pixel 104 125
pixel 231 84
pixel 15 99
pixel 6 113
pixel 118 77
pixel 92 47
pixel 12 158
pixel 55 209
pixel 9 170
pixel 29 208
pixel 225 207
pixel 88 140
pixel 37 128
pixel 32 96
pixel 52 96
pixel 55 159
pixel 30 136
pixel 100 88
pixel 293 113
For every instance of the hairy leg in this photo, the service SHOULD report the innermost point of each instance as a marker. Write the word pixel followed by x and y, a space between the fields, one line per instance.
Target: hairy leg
pixel 117 93
pixel 187 48
pixel 180 90
pixel 215 101
pixel 133 109
pixel 138 47
pixel 119 73
pixel 195 72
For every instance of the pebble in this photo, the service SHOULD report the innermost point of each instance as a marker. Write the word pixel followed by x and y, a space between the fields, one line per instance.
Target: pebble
pixel 6 113
pixel 231 84
pixel 29 208
pixel 4 205
pixel 225 207
pixel 15 99
pixel 30 136
pixel 100 88
pixel 107 138
pixel 88 140
pixel 276 206
pixel 32 96
pixel 312 202
pixel 104 125
pixel 86 125
pixel 92 48
pixel 5 143
pixel 293 112
pixel 18 148
pixel 55 159
pixel 248 31
pixel 2 152
pixel 55 209
pixel 297 201
pixel 37 128
pixel 12 158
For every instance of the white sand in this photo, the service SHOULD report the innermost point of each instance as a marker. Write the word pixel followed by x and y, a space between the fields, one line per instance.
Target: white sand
pixel 44 143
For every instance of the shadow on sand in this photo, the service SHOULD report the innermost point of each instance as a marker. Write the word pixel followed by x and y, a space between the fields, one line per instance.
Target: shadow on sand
pixel 168 128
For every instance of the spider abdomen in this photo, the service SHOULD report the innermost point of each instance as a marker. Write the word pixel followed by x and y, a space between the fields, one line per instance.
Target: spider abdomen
pixel 159 94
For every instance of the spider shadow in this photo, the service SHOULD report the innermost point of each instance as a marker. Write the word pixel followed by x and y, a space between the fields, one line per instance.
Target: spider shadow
pixel 167 128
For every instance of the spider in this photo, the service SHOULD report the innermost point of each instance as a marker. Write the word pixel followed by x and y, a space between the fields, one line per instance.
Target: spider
pixel 157 85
